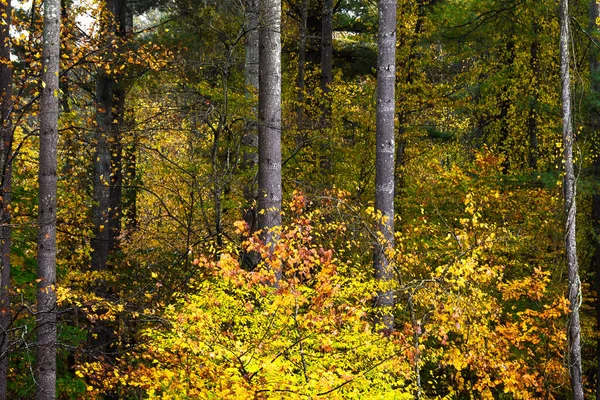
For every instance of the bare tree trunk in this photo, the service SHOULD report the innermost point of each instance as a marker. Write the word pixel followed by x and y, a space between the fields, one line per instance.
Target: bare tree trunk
pixel 251 28
pixel 300 79
pixel 250 139
pixel 5 187
pixel 574 291
pixel 326 59
pixel 269 120
pixel 102 170
pixel 45 370
pixel 384 173
pixel 594 13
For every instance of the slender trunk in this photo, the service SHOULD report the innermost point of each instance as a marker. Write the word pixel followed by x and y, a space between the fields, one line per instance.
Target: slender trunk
pixel 300 79
pixel 569 187
pixel 326 59
pixel 269 119
pixel 5 187
pixel 251 61
pixel 45 370
pixel 249 260
pixel 384 171
pixel 594 13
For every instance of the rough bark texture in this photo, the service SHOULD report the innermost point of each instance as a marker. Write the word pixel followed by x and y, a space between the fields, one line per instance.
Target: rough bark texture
pixel 384 173
pixel 45 370
pixel 251 28
pixel 5 188
pixel 569 187
pixel 594 13
pixel 269 120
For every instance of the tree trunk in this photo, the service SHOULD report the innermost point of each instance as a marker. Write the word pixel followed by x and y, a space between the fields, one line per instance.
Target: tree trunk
pixel 384 170
pixel 5 188
pixel 569 187
pixel 300 79
pixel 249 260
pixel 594 13
pixel 45 370
pixel 326 59
pixel 251 29
pixel 269 120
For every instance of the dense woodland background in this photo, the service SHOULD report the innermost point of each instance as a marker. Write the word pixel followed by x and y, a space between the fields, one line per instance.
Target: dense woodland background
pixel 164 287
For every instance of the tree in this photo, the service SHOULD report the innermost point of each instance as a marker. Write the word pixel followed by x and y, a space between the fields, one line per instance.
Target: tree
pixel 269 120
pixel 326 57
pixel 45 371
pixel 594 13
pixel 5 188
pixel 384 175
pixel 569 188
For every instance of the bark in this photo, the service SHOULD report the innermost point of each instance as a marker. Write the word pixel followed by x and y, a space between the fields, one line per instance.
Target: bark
pixel 250 139
pixel 569 187
pixel 45 370
pixel 251 29
pixel 102 170
pixel 124 28
pixel 326 59
pixel 384 170
pixel 269 119
pixel 5 188
pixel 594 13
pixel 300 79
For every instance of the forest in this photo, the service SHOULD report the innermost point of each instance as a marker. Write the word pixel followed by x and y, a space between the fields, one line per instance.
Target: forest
pixel 299 199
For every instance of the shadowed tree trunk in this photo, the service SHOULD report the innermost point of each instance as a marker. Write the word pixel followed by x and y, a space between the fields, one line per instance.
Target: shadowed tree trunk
pixel 569 187
pixel 326 59
pixel 384 170
pixel 250 139
pixel 45 370
pixel 6 105
pixel 594 13
pixel 269 120
pixel 300 79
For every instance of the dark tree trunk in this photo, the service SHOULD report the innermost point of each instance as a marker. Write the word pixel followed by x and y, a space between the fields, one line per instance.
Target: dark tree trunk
pixel 327 59
pixel 569 187
pixel 6 105
pixel 269 120
pixel 300 79
pixel 250 140
pixel 594 13
pixel 45 370
pixel 384 175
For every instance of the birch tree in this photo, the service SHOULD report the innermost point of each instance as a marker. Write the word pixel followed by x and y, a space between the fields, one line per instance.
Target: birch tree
pixel 384 172
pixel 569 187
pixel 45 370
